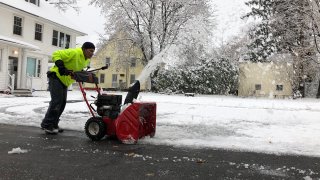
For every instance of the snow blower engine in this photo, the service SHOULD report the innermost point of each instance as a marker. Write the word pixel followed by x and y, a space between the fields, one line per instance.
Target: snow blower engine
pixel 108 105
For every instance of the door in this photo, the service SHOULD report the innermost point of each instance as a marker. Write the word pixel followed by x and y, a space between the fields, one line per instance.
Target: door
pixel 13 69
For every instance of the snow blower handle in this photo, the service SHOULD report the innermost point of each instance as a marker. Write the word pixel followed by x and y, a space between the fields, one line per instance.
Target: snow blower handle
pixel 105 67
pixel 85 76
pixel 102 68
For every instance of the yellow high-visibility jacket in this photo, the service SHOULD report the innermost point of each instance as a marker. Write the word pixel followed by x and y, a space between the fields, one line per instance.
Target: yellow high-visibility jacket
pixel 73 59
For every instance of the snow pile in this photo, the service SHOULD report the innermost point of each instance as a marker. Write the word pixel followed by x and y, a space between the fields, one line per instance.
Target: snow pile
pixel 17 150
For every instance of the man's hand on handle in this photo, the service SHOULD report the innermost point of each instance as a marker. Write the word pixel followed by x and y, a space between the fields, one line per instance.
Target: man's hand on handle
pixel 63 71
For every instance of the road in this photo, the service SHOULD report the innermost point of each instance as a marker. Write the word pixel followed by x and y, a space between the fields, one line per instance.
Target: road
pixel 71 155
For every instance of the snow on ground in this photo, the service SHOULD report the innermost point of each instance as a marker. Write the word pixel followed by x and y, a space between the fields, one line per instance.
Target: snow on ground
pixel 276 126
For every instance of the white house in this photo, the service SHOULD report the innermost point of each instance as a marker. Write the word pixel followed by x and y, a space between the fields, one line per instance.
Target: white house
pixel 30 30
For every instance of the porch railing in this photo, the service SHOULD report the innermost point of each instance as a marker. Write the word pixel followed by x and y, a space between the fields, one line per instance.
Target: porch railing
pixel 11 82
pixel 29 82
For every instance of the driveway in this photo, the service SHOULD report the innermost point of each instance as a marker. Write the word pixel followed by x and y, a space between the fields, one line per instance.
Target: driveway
pixel 27 153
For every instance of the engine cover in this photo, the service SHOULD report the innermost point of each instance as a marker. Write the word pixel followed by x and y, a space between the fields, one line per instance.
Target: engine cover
pixel 108 105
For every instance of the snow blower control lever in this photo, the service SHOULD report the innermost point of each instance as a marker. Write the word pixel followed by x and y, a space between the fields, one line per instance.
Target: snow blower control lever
pixel 102 68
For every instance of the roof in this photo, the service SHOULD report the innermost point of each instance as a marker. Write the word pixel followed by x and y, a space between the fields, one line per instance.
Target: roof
pixel 45 11
pixel 7 40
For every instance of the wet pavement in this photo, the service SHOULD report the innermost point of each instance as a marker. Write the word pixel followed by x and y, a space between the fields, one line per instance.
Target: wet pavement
pixel 71 155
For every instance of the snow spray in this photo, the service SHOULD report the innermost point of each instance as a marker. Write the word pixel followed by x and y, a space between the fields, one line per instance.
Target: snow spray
pixel 166 56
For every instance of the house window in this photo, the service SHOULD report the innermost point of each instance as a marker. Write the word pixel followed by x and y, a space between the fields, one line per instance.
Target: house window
pixel 61 38
pixel 67 45
pixel 38 68
pixel 33 67
pixel 17 26
pixel 279 87
pixel 132 78
pixel 55 38
pixel 107 62
pixel 101 78
pixel 36 2
pixel 38 32
pixel 114 80
pixel 258 87
pixel 133 62
pixel 120 47
pixel 33 1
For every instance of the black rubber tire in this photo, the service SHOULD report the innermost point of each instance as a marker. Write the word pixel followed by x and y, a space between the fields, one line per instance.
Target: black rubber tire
pixel 95 128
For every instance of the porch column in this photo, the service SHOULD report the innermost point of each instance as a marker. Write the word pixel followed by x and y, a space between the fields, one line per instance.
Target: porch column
pixel 4 66
pixel 22 80
pixel 5 61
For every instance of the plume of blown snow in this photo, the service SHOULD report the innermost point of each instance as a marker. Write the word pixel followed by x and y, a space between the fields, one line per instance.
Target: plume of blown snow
pixel 165 57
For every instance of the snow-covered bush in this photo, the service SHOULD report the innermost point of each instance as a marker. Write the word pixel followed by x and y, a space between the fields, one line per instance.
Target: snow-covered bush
pixel 207 76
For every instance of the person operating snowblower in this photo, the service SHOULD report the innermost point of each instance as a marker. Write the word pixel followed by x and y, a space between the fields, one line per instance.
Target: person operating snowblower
pixel 66 61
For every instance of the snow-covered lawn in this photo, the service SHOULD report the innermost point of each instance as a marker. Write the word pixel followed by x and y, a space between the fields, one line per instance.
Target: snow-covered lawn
pixel 277 126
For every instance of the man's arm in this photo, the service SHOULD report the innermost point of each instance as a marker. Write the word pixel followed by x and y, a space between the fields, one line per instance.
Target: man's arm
pixel 63 71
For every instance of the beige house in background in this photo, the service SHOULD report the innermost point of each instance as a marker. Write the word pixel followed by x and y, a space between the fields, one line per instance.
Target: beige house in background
pixel 125 62
pixel 272 79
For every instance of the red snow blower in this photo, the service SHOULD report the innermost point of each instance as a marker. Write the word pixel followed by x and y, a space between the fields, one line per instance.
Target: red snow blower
pixel 128 122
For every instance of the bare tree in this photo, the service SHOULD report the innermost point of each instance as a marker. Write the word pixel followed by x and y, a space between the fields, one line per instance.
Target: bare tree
pixel 152 24
pixel 65 4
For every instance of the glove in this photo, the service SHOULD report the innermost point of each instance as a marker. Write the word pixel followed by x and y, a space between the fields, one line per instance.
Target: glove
pixel 63 71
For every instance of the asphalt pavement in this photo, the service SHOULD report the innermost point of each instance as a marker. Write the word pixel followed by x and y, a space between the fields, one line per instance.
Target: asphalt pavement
pixel 27 153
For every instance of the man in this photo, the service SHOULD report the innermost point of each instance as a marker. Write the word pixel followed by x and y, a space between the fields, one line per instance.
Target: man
pixel 66 61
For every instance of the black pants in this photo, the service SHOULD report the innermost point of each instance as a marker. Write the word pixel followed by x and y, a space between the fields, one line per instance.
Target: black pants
pixel 58 92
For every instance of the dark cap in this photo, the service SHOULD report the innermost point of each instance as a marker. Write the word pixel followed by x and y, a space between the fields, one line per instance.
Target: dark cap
pixel 88 45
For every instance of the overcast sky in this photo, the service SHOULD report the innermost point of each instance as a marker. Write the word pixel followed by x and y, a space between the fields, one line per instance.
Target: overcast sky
pixel 229 13
pixel 91 21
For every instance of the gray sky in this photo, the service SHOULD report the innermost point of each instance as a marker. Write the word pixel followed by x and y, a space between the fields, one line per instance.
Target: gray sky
pixel 89 20
pixel 228 20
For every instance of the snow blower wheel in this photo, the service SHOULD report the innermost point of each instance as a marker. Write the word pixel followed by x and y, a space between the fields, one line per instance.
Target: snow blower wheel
pixel 95 128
